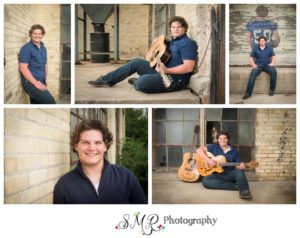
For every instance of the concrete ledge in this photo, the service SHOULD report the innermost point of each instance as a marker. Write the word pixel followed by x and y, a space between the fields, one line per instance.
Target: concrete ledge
pixel 286 80
pixel 122 93
pixel 263 99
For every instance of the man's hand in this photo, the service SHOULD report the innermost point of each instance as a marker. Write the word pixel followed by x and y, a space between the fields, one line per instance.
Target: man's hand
pixel 254 66
pixel 272 64
pixel 211 162
pixel 161 68
pixel 241 166
pixel 40 86
pixel 157 68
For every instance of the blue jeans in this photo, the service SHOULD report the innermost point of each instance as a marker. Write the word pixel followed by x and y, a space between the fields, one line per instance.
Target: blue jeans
pixel 149 81
pixel 36 95
pixel 271 70
pixel 228 180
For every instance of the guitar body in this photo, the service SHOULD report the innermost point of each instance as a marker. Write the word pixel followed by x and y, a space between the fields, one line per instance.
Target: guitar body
pixel 204 169
pixel 159 50
pixel 188 170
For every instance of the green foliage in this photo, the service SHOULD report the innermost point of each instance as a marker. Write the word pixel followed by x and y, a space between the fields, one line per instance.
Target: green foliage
pixel 134 157
pixel 137 124
pixel 135 148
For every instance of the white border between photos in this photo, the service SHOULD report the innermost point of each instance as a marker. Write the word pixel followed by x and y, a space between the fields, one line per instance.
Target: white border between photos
pixel 45 221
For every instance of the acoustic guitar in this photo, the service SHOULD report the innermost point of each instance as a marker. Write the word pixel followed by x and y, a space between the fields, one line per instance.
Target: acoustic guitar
pixel 159 53
pixel 188 171
pixel 158 50
pixel 204 169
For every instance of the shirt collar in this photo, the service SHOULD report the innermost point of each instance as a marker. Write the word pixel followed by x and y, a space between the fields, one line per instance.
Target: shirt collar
pixel 80 170
pixel 42 44
pixel 180 37
pixel 229 148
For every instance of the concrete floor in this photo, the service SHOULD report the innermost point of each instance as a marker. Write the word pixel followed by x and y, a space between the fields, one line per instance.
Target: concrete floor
pixel 64 99
pixel 121 93
pixel 263 99
pixel 168 189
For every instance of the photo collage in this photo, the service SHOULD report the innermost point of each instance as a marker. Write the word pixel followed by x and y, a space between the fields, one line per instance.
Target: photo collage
pixel 159 112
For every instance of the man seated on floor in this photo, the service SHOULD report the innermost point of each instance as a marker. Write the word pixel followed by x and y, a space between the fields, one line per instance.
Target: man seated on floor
pixel 233 178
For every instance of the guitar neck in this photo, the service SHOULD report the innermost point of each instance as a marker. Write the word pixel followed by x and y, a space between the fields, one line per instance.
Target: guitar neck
pixel 161 71
pixel 229 164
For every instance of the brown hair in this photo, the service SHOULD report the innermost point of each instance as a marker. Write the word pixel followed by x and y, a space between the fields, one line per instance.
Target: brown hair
pixel 181 20
pixel 224 134
pixel 37 26
pixel 87 125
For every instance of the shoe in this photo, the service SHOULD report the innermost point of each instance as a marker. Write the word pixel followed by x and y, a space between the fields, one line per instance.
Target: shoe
pixel 99 82
pixel 271 93
pixel 132 81
pixel 246 96
pixel 246 194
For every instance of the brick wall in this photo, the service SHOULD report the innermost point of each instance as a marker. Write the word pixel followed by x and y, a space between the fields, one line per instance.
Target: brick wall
pixel 284 15
pixel 133 30
pixel 52 42
pixel 276 144
pixel 16 35
pixel 36 153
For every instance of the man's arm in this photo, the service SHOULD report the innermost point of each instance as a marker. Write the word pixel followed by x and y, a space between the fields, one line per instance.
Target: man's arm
pixel 58 197
pixel 46 73
pixel 252 63
pixel 249 39
pixel 28 75
pixel 186 67
pixel 202 151
pixel 275 39
pixel 273 60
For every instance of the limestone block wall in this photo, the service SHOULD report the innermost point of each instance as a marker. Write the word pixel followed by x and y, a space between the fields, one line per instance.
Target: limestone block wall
pixel 16 35
pixel 276 144
pixel 285 84
pixel 36 153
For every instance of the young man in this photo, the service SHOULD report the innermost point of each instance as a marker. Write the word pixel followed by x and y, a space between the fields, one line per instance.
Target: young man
pixel 233 178
pixel 95 180
pixel 179 67
pixel 262 58
pixel 34 68
pixel 262 26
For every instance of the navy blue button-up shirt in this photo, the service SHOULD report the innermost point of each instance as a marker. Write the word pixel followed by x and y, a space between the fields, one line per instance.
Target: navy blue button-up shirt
pixel 182 48
pixel 232 155
pixel 117 186
pixel 262 56
pixel 36 58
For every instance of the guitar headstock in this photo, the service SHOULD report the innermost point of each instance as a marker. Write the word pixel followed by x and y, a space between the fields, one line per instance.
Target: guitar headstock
pixel 197 129
pixel 252 164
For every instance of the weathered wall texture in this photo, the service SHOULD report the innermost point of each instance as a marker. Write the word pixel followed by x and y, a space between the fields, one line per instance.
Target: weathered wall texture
pixel 199 20
pixel 276 144
pixel 16 35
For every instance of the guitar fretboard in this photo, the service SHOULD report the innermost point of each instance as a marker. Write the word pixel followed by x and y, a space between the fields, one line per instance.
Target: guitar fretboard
pixel 229 164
